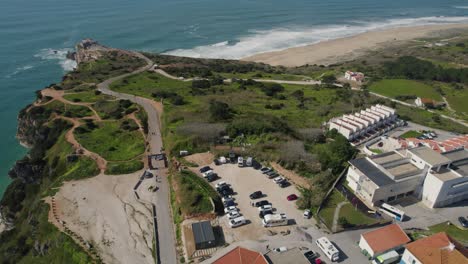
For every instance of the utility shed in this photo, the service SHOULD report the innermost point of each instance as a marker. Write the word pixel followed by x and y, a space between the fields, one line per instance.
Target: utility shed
pixel 203 235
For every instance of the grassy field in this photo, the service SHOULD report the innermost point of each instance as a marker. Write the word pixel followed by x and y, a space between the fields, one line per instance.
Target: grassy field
pixel 328 211
pixel 397 87
pixel 86 97
pixel 457 99
pixel 112 142
pixel 194 194
pixel 411 134
pixel 459 234
pixel 355 217
pixel 262 75
pixel 124 167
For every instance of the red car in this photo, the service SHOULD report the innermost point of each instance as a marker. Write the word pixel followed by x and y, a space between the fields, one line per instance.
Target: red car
pixel 318 261
pixel 292 197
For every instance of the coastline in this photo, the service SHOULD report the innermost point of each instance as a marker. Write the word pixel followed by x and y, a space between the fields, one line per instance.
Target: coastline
pixel 352 47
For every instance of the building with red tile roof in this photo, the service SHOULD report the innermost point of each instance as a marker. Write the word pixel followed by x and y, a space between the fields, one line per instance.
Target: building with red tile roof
pixel 436 249
pixel 240 255
pixel 382 240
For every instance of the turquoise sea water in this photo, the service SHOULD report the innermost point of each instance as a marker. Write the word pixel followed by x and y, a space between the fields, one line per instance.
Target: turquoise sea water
pixel 31 30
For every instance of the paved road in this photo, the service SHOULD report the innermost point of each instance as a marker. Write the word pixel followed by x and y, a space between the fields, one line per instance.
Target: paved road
pixel 414 106
pixel 166 234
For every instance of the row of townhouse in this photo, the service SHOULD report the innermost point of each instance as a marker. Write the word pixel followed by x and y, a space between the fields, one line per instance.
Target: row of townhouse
pixel 364 123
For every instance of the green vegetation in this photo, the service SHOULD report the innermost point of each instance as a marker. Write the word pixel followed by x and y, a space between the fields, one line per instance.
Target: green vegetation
pixel 461 235
pixel 86 97
pixel 124 167
pixel 328 210
pixel 114 109
pixel 77 111
pixel 110 141
pixel 376 151
pixel 398 89
pixel 194 195
pixel 355 217
pixel 411 134
pixel 452 230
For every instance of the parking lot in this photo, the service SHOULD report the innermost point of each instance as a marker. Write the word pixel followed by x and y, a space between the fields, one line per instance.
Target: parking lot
pixel 246 180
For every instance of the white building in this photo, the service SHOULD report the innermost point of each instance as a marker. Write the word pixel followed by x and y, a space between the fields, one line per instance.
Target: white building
pixel 354 76
pixel 366 123
pixel 372 244
pixel 437 179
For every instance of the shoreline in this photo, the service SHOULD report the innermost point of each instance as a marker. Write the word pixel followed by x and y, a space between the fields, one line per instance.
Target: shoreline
pixel 352 47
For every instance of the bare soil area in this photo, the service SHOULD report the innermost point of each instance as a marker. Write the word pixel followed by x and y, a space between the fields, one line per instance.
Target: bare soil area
pixel 104 211
pixel 200 158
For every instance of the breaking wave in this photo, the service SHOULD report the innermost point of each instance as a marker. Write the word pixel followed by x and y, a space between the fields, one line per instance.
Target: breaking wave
pixel 59 55
pixel 258 41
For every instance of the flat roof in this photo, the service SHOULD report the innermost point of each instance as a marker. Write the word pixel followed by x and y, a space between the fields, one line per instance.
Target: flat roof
pixel 203 232
pixel 371 171
pixel 387 157
pixel 386 238
pixel 293 255
pixel 445 175
pixel 403 170
pixel 456 155
pixel 429 155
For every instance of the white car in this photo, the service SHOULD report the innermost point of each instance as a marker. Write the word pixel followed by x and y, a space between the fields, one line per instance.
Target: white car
pixel 233 215
pixel 207 173
pixel 278 179
pixel 237 222
pixel 265 207
pixel 227 198
pixel 240 162
pixel 230 208
pixel 307 214
pixel 221 184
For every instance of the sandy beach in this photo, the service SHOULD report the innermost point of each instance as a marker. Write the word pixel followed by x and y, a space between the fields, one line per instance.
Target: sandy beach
pixel 344 49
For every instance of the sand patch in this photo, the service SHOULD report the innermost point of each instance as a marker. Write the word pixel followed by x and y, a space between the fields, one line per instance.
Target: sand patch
pixel 201 159
pixel 104 211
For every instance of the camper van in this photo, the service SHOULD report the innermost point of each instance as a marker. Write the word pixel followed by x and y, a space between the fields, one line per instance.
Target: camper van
pixel 240 161
pixel 275 220
pixel 237 222
pixel 387 258
pixel 328 248
pixel 249 162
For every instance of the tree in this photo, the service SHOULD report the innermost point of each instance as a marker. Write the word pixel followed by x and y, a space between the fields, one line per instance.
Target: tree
pixel 329 79
pixel 220 111
pixel 201 84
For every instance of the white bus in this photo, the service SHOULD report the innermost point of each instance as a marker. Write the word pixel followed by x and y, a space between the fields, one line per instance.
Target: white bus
pixel 328 248
pixel 274 220
pixel 396 213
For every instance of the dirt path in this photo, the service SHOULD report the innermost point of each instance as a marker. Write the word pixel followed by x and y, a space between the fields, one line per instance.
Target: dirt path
pixel 58 95
pixel 336 215
pixel 291 175
pixel 70 137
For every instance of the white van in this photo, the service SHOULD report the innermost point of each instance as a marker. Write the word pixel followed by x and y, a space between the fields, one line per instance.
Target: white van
pixel 275 220
pixel 328 248
pixel 249 162
pixel 240 162
pixel 387 258
pixel 237 222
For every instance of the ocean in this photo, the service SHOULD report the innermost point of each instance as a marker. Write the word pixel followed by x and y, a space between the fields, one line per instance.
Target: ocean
pixel 30 32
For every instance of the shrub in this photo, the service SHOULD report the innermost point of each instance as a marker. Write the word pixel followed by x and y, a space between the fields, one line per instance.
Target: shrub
pixel 219 111
pixel 201 84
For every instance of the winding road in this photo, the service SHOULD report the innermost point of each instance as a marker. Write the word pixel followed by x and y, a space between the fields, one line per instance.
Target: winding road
pixel 166 234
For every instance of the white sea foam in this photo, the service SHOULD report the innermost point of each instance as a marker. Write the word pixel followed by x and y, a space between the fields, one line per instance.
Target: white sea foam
pixel 461 7
pixel 18 70
pixel 258 41
pixel 59 55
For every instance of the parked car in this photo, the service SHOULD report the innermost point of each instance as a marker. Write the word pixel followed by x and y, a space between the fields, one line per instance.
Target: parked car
pixel 240 161
pixel 265 212
pixel 233 215
pixel 229 209
pixel 237 222
pixel 221 184
pixel 265 207
pixel 249 162
pixel 227 198
pixel 226 192
pixel 212 177
pixel 229 203
pixel 256 195
pixel 463 221
pixel 280 249
pixel 284 184
pixel 311 256
pixel 217 162
pixel 264 170
pixel 207 173
pixel 292 197
pixel 261 203
pixel 279 179
pixel 273 175
pixel 272 172
pixel 205 169
pixel 307 214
